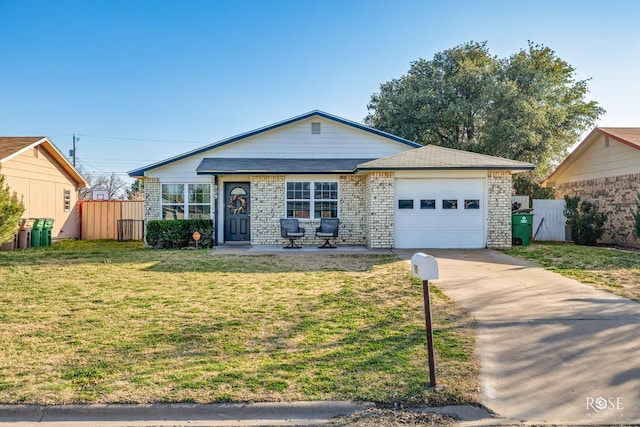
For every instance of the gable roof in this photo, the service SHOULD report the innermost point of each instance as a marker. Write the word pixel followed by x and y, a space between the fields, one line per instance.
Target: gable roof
pixel 625 135
pixel 218 166
pixel 13 146
pixel 432 157
pixel 315 113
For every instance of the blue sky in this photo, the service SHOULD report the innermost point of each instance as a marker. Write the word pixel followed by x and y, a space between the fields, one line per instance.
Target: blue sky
pixel 141 81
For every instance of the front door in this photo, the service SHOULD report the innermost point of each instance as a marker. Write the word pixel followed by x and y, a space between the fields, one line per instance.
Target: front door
pixel 236 212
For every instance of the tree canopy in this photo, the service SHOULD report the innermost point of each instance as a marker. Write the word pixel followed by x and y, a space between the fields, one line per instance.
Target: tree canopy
pixel 526 107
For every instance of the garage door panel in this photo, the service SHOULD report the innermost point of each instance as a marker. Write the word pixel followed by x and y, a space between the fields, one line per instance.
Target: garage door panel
pixel 439 227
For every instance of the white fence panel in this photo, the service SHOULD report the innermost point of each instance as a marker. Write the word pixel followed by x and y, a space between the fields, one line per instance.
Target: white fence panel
pixel 523 201
pixel 548 220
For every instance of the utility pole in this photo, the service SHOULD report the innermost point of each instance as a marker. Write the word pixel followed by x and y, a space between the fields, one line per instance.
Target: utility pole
pixel 73 151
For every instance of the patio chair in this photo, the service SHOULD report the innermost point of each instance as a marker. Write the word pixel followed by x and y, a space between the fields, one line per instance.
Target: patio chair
pixel 328 230
pixel 290 229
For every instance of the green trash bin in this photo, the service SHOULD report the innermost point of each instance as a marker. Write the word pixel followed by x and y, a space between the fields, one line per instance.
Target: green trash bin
pixel 521 224
pixel 36 232
pixel 46 232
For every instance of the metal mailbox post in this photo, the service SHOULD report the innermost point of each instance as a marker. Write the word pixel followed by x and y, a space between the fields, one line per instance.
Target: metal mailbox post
pixel 425 267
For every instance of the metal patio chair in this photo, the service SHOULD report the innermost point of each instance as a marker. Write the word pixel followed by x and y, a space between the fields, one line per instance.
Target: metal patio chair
pixel 290 229
pixel 328 230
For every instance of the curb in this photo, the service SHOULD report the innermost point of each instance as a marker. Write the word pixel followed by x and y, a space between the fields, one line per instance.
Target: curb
pixel 193 415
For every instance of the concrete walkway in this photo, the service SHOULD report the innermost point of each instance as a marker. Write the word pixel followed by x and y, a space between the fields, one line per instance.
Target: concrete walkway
pixel 304 250
pixel 551 350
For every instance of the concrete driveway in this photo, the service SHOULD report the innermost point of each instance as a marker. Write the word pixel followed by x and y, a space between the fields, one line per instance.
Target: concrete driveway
pixel 551 350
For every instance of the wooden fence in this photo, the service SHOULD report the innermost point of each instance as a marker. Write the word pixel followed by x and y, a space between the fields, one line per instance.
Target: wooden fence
pixel 111 219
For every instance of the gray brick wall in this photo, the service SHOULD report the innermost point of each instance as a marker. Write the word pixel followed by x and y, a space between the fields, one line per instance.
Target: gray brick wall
pixel 352 189
pixel 614 196
pixel 499 209
pixel 152 199
pixel 267 207
pixel 379 209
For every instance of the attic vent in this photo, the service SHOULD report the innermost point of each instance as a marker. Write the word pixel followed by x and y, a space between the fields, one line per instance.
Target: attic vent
pixel 315 128
pixel 606 141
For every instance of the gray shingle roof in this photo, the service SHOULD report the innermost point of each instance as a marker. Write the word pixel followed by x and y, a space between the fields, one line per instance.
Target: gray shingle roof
pixel 434 157
pixel 216 166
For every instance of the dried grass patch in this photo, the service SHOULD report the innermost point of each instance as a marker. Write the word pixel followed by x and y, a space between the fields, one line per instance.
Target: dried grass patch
pixel 102 322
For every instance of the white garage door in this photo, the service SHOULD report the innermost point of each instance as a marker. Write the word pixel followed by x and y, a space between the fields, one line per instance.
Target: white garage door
pixel 440 213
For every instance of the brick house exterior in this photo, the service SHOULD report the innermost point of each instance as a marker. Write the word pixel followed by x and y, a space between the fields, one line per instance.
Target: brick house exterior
pixel 319 165
pixel 605 170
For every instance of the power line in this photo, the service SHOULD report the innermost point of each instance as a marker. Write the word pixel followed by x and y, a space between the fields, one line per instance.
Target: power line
pixel 145 139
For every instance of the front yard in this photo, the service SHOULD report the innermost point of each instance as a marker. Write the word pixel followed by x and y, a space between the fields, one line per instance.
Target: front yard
pixel 101 322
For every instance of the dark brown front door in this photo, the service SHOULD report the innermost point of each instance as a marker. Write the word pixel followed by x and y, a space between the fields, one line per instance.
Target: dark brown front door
pixel 237 208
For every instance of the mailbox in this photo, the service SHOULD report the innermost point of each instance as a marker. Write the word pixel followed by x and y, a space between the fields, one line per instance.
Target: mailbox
pixel 424 267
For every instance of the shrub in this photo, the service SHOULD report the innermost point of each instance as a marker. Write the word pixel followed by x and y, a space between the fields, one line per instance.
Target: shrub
pixel 636 217
pixel 587 224
pixel 11 209
pixel 167 234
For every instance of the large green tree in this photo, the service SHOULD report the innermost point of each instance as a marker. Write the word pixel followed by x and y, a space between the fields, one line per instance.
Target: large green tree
pixel 527 107
pixel 11 210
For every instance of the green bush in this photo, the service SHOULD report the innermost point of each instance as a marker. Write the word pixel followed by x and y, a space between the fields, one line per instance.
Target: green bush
pixel 168 234
pixel 11 209
pixel 587 224
pixel 636 217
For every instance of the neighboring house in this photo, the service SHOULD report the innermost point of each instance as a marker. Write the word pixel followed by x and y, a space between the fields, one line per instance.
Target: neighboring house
pixel 604 169
pixel 44 179
pixel 386 191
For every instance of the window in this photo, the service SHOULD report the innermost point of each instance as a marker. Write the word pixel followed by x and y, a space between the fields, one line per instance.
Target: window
pixel 450 204
pixel 427 204
pixel 326 200
pixel 197 197
pixel 199 201
pixel 472 204
pixel 302 202
pixel 67 200
pixel 405 204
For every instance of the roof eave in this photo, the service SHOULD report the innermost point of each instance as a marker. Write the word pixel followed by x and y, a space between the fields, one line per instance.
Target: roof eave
pixel 139 173
pixel 418 168
pixel 57 155
pixel 283 172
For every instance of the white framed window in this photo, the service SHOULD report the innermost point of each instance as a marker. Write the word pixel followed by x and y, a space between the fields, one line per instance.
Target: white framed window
pixel 186 201
pixel 67 200
pixel 312 199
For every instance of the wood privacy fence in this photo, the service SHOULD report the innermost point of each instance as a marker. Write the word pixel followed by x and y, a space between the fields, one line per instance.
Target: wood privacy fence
pixel 111 219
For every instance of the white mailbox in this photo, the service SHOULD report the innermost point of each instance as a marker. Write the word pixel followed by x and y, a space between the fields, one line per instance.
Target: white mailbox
pixel 424 267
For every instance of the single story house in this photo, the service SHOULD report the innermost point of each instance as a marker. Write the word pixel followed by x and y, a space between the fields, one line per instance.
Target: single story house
pixel 42 176
pixel 604 169
pixel 386 191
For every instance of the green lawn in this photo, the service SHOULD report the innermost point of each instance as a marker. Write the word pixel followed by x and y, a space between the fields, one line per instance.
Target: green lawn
pixel 100 322
pixel 613 270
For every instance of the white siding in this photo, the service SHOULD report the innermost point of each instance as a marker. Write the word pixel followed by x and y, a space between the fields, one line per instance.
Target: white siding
pixel 600 161
pixel 294 141
pixel 181 171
